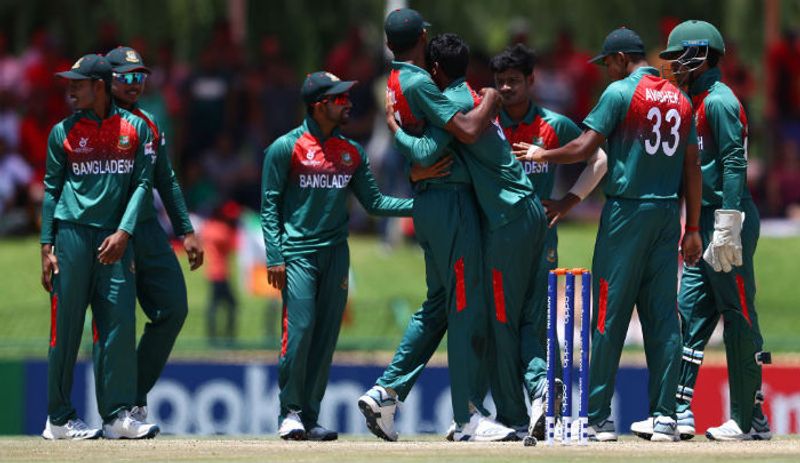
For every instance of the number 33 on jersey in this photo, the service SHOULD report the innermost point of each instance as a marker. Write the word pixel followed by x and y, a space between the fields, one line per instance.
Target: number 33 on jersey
pixel 648 123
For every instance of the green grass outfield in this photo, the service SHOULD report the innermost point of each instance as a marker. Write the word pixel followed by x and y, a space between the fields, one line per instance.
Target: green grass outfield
pixel 387 287
pixel 364 449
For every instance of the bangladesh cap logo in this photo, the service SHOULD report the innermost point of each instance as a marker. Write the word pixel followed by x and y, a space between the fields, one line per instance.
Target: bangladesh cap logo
pixel 332 77
pixel 130 56
pixel 77 64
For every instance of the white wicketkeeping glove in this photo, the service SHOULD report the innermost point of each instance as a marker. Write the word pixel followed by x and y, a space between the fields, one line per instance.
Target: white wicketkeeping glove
pixel 725 250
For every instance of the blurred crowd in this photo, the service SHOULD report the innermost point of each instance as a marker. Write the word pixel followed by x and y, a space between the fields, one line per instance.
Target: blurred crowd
pixel 221 111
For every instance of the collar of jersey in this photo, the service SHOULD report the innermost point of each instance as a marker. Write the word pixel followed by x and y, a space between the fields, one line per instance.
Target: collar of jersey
pixel 90 114
pixel 408 66
pixel 646 70
pixel 530 115
pixel 705 81
pixel 312 127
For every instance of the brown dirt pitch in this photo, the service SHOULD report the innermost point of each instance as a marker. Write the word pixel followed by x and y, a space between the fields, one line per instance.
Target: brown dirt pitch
pixel 412 449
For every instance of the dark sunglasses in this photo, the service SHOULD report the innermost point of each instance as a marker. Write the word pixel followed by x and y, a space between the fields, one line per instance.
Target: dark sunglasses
pixel 130 77
pixel 340 100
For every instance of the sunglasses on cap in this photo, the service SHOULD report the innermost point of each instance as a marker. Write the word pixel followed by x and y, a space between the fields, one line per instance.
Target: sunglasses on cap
pixel 130 77
pixel 340 100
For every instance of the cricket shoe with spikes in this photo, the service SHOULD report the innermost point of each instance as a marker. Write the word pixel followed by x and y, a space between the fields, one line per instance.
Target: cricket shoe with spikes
pixel 74 429
pixel 378 408
pixel 483 429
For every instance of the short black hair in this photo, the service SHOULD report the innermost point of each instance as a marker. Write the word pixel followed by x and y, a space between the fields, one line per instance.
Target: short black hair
pixel 636 57
pixel 452 54
pixel 517 57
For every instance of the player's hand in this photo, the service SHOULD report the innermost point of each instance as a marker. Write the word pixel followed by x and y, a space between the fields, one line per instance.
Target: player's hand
pixel 113 247
pixel 390 119
pixel 194 250
pixel 276 276
pixel 557 209
pixel 527 152
pixel 440 169
pixel 691 248
pixel 49 267
pixel 492 97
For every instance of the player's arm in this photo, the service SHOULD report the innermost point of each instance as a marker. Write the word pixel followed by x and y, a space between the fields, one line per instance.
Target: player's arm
pixel 591 175
pixel 113 247
pixel 692 244
pixel 277 160
pixel 600 123
pixel 369 195
pixel 728 132
pixel 444 113
pixel 55 174
pixel 166 182
pixel 578 150
pixel 425 150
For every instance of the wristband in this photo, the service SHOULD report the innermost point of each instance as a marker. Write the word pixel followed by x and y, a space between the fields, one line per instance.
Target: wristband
pixel 689 229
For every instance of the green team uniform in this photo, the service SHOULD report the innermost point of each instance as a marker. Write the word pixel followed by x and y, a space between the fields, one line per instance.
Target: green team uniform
pixel 548 130
pixel 160 286
pixel 514 228
pixel 98 174
pixel 705 295
pixel 304 220
pixel 447 225
pixel 648 124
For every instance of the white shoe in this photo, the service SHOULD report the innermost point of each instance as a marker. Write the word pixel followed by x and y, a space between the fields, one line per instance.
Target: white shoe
pixel 74 429
pixel 292 428
pixel 378 407
pixel 125 426
pixel 536 426
pixel 643 429
pixel 451 431
pixel 483 429
pixel 760 429
pixel 728 431
pixel 686 424
pixel 603 431
pixel 665 429
pixel 139 413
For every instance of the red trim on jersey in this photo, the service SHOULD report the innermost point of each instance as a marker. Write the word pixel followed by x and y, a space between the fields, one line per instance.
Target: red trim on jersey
pixel 743 299
pixel 402 110
pixel 95 334
pixel 150 123
pixel 461 292
pixel 538 132
pixel 499 296
pixel 601 306
pixel 285 331
pixel 476 99
pixel 53 319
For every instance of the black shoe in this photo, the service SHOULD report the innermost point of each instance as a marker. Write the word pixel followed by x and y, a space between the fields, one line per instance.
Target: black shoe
pixel 318 433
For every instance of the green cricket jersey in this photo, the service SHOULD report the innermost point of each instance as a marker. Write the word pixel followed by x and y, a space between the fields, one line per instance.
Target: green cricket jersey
pixel 98 172
pixel 497 176
pixel 417 102
pixel 304 192
pixel 648 124
pixel 543 128
pixel 722 140
pixel 165 181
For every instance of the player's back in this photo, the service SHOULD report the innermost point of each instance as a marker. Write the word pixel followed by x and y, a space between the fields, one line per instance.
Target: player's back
pixel 498 178
pixel 648 124
pixel 406 89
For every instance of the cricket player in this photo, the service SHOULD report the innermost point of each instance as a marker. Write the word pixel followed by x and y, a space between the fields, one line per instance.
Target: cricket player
pixel 160 287
pixel 647 123
pixel 724 284
pixel 515 225
pixel 98 173
pixel 307 174
pixel 447 224
pixel 527 124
